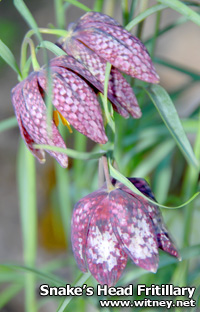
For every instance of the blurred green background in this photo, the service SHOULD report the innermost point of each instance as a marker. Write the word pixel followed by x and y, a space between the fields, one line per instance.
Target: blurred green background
pixel 144 149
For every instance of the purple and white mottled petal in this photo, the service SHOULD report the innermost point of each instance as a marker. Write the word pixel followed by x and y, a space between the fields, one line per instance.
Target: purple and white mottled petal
pixel 91 17
pixel 164 241
pixel 18 102
pixel 79 67
pixel 114 46
pixel 77 103
pixel 105 257
pixel 82 214
pixel 120 92
pixel 135 230
pixel 33 121
pixel 69 62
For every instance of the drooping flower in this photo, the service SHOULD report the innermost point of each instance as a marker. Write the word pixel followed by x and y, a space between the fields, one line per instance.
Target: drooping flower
pixel 96 39
pixel 109 226
pixel 74 100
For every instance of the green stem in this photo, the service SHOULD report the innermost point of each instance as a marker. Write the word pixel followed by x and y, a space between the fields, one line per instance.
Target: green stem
pixel 80 282
pixel 36 66
pixel 29 34
pixel 80 145
pixel 157 24
pixel 190 186
pixel 125 11
pixel 60 13
pixel 98 6
pixel 110 187
pixel 134 4
pixel 109 7
pixel 27 196
pixel 79 5
pixel 105 99
pixel 64 199
pixel 143 8
pixel 101 177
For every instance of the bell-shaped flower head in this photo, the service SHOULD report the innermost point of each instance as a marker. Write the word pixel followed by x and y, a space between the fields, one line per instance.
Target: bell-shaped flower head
pixel 96 39
pixel 110 226
pixel 73 99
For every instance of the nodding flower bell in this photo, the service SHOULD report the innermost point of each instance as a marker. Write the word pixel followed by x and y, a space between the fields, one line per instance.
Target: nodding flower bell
pixel 73 100
pixel 108 226
pixel 96 39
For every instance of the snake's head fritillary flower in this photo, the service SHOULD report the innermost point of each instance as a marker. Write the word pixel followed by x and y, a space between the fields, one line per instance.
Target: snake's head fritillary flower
pixel 110 226
pixel 96 39
pixel 73 100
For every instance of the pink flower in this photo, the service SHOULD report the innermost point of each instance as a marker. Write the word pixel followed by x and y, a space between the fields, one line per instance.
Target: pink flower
pixel 109 226
pixel 73 99
pixel 96 39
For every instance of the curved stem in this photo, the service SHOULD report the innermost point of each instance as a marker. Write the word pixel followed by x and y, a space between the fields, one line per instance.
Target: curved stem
pixel 29 34
pixel 36 66
pixel 110 187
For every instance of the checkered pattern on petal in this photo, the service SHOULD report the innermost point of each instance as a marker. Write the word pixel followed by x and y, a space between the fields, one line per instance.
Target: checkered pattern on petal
pixel 77 103
pixel 31 115
pixel 105 256
pixel 82 214
pixel 135 229
pixel 120 92
pixel 164 240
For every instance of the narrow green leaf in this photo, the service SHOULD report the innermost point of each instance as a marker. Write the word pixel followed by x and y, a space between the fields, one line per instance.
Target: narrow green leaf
pixel 52 47
pixel 28 210
pixel 168 113
pixel 63 193
pixel 98 5
pixel 24 11
pixel 118 176
pixel 79 5
pixel 8 293
pixel 144 15
pixel 43 275
pixel 8 124
pixel 195 76
pixel 105 98
pixel 71 153
pixel 8 57
pixel 154 158
pixel 80 282
pixel 183 9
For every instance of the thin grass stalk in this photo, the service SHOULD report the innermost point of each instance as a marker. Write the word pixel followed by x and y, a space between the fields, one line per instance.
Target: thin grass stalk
pixel 27 198
pixel 64 199
pixel 80 145
pixel 190 186
pixel 59 14
pixel 156 31
pixel 98 5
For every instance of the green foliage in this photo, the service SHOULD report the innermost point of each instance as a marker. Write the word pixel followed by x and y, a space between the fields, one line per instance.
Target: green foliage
pixel 156 147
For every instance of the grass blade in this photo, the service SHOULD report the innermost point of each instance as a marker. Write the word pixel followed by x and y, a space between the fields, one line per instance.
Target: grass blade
pixel 8 124
pixel 81 281
pixel 24 11
pixel 52 47
pixel 43 275
pixel 27 197
pixel 118 176
pixel 8 57
pixel 63 191
pixel 79 5
pixel 168 113
pixel 182 9
pixel 183 70
pixel 144 15
pixel 8 294
pixel 71 153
